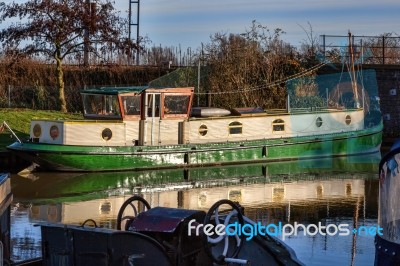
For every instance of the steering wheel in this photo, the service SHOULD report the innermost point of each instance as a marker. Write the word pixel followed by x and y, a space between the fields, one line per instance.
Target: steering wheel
pixel 138 205
pixel 214 217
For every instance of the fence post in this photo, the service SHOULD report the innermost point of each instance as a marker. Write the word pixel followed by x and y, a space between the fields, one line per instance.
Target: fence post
pixel 383 49
pixel 362 51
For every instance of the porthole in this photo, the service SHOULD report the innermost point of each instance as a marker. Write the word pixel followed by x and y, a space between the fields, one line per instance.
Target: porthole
pixel 320 191
pixel 278 125
pixel 318 122
pixel 348 119
pixel 105 208
pixel 235 128
pixel 54 132
pixel 202 200
pixel 203 130
pixel 37 131
pixel 278 194
pixel 106 134
pixel 348 190
pixel 235 195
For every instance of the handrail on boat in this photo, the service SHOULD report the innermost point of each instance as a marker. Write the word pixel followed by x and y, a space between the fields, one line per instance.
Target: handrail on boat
pixel 9 128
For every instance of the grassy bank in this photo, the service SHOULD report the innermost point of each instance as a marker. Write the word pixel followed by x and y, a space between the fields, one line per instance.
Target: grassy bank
pixel 19 120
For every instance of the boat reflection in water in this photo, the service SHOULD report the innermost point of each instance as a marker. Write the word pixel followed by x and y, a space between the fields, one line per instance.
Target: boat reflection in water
pixel 328 190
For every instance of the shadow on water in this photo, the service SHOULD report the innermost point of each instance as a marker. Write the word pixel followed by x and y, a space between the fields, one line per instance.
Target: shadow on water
pixel 334 190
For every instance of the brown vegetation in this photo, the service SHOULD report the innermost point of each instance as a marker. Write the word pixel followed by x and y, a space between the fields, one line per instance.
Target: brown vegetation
pixel 58 29
pixel 34 85
pixel 244 66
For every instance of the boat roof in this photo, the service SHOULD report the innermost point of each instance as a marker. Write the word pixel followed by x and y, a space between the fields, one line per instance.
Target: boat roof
pixel 115 90
pixel 132 89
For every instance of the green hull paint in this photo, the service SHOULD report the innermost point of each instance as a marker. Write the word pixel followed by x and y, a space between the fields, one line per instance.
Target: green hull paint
pixel 95 158
pixel 69 187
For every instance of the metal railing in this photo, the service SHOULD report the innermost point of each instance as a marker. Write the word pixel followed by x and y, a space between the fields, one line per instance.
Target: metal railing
pixel 383 49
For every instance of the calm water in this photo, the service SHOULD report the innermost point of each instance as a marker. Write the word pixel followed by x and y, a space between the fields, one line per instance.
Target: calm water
pixel 329 191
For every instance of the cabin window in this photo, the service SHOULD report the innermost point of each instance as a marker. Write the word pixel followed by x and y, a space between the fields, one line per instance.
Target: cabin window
pixel 235 128
pixel 176 104
pixel 106 134
pixel 278 125
pixel 52 213
pixel 348 120
pixel 318 122
pixel 131 104
pixel 203 130
pixel 153 105
pixel 101 105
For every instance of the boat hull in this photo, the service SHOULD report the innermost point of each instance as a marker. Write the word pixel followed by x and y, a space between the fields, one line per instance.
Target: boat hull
pixel 95 158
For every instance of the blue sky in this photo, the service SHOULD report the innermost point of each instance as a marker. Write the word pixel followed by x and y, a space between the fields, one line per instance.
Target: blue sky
pixel 189 23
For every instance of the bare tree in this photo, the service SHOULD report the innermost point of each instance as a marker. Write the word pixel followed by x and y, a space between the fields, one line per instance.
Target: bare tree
pixel 383 49
pixel 58 28
pixel 309 46
pixel 248 64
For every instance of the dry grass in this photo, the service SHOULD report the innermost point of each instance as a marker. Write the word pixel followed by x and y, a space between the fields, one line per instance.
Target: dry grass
pixel 19 121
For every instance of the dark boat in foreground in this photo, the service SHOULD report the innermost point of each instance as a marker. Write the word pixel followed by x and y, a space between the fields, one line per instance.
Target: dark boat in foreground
pixel 5 202
pixel 387 244
pixel 164 236
pixel 160 236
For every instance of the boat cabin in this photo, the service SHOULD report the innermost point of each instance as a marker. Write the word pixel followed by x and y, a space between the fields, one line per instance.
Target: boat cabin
pixel 145 116
pixel 136 103
pixel 121 117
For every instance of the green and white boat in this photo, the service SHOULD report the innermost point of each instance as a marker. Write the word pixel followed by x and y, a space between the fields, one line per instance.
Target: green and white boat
pixel 134 128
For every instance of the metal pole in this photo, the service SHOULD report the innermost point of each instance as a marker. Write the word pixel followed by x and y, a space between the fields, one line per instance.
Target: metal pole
pixel 137 33
pixel 86 36
pixel 12 132
pixel 130 19
pixel 198 84
pixel 383 50
pixel 363 99
pixel 327 98
pixel 131 24
pixel 362 51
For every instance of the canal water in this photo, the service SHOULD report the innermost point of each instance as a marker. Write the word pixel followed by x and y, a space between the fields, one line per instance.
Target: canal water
pixel 340 191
